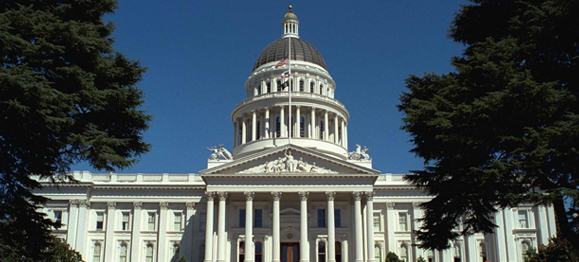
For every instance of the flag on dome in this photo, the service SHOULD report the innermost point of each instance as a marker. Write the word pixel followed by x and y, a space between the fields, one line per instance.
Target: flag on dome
pixel 285 74
pixel 283 61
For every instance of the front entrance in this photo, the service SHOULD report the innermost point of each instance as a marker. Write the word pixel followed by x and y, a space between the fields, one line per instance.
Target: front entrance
pixel 290 252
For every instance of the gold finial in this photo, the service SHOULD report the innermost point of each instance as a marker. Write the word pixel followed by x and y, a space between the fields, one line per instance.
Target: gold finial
pixel 290 8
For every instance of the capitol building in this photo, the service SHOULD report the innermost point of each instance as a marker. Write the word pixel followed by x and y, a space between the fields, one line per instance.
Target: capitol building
pixel 288 191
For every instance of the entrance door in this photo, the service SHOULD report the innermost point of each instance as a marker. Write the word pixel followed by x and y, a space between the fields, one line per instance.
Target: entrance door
pixel 290 252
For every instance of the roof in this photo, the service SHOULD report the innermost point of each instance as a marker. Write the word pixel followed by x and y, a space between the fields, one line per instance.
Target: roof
pixel 301 50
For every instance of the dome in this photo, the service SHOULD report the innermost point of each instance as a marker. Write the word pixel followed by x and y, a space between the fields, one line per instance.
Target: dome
pixel 301 51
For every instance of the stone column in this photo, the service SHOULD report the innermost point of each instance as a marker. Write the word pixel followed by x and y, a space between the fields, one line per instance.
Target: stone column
pixel 313 123
pixel 276 237
pixel 249 226
pixel 72 222
pixel 326 131
pixel 346 135
pixel 343 140
pixel 392 222
pixel 266 122
pixel 304 246
pixel 162 230
pixel 136 230
pixel 109 243
pixel 243 129
pixel 221 227
pixel 209 227
pixel 282 122
pixel 253 125
pixel 298 122
pixel 358 226
pixel 235 133
pixel 189 248
pixel 331 227
pixel 336 138
pixel 82 228
pixel 370 225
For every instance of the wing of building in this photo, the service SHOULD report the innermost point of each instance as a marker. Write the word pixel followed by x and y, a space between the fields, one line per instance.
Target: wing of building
pixel 289 191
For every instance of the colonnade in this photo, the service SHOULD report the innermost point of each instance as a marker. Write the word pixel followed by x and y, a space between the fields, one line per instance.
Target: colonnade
pixel 304 245
pixel 317 124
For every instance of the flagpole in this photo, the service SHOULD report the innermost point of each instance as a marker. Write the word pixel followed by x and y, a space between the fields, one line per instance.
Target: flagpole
pixel 290 128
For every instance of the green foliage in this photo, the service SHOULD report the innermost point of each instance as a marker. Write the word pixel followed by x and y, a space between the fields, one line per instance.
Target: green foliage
pixel 558 249
pixel 503 128
pixel 529 254
pixel 420 259
pixel 58 250
pixel 182 259
pixel 65 96
pixel 392 257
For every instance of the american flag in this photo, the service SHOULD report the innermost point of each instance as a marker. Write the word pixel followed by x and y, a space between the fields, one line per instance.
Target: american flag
pixel 283 61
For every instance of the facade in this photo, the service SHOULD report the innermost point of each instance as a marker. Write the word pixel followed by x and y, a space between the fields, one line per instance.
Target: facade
pixel 289 191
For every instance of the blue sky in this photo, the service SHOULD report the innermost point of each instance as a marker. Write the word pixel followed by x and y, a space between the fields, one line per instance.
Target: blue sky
pixel 200 53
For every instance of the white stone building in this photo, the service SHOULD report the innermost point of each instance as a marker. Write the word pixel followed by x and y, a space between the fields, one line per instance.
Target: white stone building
pixel 290 184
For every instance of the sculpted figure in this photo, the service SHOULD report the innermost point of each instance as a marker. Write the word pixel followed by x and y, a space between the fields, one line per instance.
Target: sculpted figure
pixel 365 154
pixel 216 154
pixel 225 153
pixel 290 163
pixel 301 165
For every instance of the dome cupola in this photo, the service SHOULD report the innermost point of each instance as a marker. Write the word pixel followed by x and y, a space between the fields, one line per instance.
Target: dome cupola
pixel 290 24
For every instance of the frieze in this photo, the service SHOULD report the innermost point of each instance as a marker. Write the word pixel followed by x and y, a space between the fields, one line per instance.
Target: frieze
pixel 287 164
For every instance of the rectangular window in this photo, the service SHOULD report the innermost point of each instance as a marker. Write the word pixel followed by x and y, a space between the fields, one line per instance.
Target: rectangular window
pixel 177 221
pixel 123 253
pixel 149 253
pixel 242 218
pixel 376 221
pixel 257 218
pixel 151 221
pixel 58 216
pixel 523 219
pixel 202 221
pixel 321 218
pixel 125 221
pixel 402 221
pixel 337 218
pixel 96 257
pixel 100 218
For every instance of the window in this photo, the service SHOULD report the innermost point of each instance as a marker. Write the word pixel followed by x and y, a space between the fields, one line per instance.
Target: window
pixel 177 221
pixel 258 130
pixel 279 86
pixel 301 85
pixel 175 250
pixel 339 252
pixel 151 221
pixel 525 245
pixel 57 218
pixel 377 253
pixel 483 251
pixel 321 251
pixel 257 218
pixel 125 221
pixel 100 220
pixel 404 253
pixel 258 90
pixel 258 252
pixel 202 221
pixel 321 88
pixel 312 87
pixel 277 127
pixel 241 251
pixel 96 257
pixel 321 218
pixel 523 219
pixel 302 127
pixel 430 256
pixel 402 221
pixel 321 129
pixel 376 221
pixel 242 218
pixel 123 253
pixel 268 85
pixel 149 253
pixel 337 218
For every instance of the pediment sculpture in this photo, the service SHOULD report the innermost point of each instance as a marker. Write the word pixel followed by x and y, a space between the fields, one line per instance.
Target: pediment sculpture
pixel 288 164
pixel 359 154
pixel 220 153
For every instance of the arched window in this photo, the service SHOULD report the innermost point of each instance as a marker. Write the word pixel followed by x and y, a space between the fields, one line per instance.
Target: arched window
pixel 321 130
pixel 149 253
pixel 96 257
pixel 483 251
pixel 311 87
pixel 377 253
pixel 268 86
pixel 404 253
pixel 277 127
pixel 338 251
pixel 301 85
pixel 456 253
pixel 258 130
pixel 321 251
pixel 241 251
pixel 321 89
pixel 525 246
pixel 430 256
pixel 302 127
pixel 123 253
pixel 258 252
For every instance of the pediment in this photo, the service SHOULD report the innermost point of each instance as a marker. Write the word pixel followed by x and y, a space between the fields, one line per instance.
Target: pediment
pixel 288 159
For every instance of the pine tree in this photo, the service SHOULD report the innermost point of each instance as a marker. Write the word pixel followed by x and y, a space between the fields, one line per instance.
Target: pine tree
pixel 503 129
pixel 65 96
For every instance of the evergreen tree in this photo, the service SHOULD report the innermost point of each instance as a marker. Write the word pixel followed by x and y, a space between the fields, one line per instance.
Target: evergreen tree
pixel 504 128
pixel 392 257
pixel 65 96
